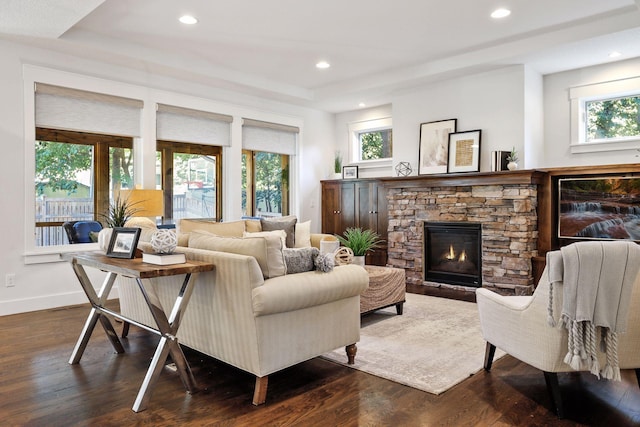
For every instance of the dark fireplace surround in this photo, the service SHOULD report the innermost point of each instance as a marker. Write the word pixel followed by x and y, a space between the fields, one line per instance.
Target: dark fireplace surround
pixel 453 253
pixel 505 213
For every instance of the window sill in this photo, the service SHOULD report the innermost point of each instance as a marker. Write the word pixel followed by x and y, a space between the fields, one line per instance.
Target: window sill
pixel 52 253
pixel 371 164
pixel 594 147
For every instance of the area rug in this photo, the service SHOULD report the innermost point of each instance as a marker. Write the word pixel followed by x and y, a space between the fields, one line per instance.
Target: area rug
pixel 433 346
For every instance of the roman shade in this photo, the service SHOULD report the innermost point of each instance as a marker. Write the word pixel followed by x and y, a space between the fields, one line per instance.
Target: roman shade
pixel 269 137
pixel 64 108
pixel 195 126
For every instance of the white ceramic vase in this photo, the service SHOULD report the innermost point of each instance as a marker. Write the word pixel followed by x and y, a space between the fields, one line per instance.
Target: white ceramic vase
pixel 512 166
pixel 358 260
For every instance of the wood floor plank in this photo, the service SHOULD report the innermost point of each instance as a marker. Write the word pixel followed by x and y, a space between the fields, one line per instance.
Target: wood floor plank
pixel 39 388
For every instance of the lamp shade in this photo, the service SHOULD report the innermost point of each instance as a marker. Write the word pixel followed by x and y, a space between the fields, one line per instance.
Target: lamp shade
pixel 145 202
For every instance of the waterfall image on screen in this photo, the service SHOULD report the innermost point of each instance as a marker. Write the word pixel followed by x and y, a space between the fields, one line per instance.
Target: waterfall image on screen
pixel 599 208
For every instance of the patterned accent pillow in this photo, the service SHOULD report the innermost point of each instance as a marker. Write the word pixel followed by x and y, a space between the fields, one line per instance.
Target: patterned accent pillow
pixel 299 260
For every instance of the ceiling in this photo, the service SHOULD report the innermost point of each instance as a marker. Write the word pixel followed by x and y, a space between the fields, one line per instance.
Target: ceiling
pixel 375 48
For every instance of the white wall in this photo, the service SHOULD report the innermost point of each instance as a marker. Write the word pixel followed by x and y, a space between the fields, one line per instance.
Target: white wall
pixel 491 101
pixel 557 131
pixel 39 286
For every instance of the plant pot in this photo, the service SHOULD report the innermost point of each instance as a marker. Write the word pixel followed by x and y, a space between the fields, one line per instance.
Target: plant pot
pixel 337 175
pixel 512 166
pixel 359 260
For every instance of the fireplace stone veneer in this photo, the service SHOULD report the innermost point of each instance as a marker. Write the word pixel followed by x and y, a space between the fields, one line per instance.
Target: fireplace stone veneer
pixel 508 217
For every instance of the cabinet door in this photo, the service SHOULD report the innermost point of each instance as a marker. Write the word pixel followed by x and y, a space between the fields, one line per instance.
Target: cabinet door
pixel 348 206
pixel 382 210
pixel 365 203
pixel 331 201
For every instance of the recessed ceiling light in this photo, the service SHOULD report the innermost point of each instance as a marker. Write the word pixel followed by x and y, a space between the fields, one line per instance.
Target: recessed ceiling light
pixel 323 65
pixel 362 104
pixel 188 19
pixel 614 54
pixel 500 13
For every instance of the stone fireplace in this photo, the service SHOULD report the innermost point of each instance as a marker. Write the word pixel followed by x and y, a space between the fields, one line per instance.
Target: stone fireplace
pixel 505 214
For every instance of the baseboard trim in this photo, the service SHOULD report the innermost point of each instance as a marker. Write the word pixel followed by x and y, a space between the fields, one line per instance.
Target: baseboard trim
pixel 47 302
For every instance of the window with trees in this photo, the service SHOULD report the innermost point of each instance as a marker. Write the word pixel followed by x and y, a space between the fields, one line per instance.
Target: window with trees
pixel 613 119
pixel 605 116
pixel 191 176
pixel 76 174
pixel 375 145
pixel 265 183
pixel 371 141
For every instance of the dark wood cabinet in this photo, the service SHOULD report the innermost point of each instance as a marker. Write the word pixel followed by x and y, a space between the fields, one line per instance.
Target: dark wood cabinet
pixel 338 209
pixel 356 203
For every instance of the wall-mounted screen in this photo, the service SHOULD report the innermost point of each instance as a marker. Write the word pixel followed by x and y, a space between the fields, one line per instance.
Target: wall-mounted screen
pixel 599 208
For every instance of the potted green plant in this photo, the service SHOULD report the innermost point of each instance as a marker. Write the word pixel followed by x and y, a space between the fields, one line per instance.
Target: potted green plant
pixel 337 165
pixel 512 158
pixel 360 242
pixel 119 212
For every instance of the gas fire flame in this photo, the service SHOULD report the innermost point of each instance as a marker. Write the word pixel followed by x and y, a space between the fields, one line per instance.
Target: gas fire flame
pixel 451 255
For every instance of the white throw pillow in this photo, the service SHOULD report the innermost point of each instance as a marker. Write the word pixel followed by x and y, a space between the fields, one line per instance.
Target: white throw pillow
pixel 280 233
pixel 303 234
pixel 267 250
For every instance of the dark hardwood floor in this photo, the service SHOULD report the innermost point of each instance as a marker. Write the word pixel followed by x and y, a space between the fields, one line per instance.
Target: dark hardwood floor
pixel 39 388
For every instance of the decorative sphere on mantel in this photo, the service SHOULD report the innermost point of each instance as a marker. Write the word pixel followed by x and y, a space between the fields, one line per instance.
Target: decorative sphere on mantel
pixel 164 241
pixel 403 169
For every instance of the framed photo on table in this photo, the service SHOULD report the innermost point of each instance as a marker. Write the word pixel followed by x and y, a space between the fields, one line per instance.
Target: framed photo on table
pixel 349 172
pixel 434 146
pixel 123 243
pixel 464 151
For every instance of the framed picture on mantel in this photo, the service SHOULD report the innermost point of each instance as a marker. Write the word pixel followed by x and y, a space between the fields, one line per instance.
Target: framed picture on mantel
pixel 464 151
pixel 434 146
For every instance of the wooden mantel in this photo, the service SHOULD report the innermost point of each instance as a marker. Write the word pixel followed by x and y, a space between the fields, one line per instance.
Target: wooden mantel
pixel 529 176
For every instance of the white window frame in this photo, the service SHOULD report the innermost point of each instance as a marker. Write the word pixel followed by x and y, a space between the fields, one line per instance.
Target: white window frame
pixel 355 129
pixel 580 95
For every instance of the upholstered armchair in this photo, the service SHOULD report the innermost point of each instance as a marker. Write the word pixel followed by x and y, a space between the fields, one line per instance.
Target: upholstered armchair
pixel 519 326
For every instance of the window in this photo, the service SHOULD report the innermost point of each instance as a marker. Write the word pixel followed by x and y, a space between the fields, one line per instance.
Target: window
pixel 266 158
pixel 375 145
pixel 613 119
pixel 371 142
pixel 265 184
pixel 605 116
pixel 191 176
pixel 76 173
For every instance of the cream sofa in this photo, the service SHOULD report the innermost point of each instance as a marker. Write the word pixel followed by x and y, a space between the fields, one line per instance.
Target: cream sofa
pixel 259 325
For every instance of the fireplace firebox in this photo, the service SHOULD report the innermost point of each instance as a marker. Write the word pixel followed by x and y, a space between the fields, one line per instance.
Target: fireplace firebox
pixel 453 253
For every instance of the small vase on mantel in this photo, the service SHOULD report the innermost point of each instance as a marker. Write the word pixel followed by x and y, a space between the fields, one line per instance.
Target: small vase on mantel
pixel 512 166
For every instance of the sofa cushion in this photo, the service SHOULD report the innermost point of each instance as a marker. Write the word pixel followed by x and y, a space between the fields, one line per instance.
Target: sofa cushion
pixel 298 291
pixel 267 250
pixel 226 229
pixel 286 223
pixel 279 233
pixel 252 225
pixel 146 225
pixel 299 260
pixel 303 234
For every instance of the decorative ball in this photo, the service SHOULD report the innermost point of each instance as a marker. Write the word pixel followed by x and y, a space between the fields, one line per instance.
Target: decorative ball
pixel 164 241
pixel 343 256
pixel 403 169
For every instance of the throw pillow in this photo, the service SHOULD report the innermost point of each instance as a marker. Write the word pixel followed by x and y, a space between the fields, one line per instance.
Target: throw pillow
pixel 288 224
pixel 280 233
pixel 226 229
pixel 267 250
pixel 324 262
pixel 252 225
pixel 303 234
pixel 299 260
